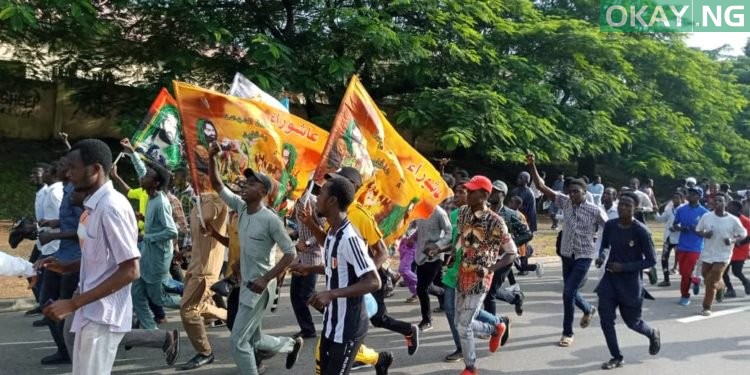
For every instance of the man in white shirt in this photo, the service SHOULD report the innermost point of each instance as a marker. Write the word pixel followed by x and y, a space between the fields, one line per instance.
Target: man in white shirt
pixel 671 237
pixel 721 230
pixel 108 264
pixel 597 190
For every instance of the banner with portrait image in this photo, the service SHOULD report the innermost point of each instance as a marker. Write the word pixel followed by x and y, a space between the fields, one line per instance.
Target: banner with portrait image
pixel 251 135
pixel 159 136
pixel 399 184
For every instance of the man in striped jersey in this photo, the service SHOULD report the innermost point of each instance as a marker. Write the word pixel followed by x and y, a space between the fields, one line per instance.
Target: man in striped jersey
pixel 350 274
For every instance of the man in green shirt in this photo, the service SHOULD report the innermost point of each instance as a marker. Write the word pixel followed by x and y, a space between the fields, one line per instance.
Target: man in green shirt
pixel 260 229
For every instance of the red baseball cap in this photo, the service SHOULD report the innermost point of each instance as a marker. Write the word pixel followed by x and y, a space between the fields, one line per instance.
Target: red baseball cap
pixel 479 183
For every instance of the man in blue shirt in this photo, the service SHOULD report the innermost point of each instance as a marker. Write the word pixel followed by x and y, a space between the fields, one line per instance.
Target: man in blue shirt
pixel 630 251
pixel 62 285
pixel 690 244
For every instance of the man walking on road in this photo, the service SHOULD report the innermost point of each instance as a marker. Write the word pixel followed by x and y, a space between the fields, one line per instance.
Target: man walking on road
pixel 690 244
pixel 577 250
pixel 630 251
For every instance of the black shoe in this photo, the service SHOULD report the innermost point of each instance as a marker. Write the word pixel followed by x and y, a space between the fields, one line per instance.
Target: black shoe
pixel 292 357
pixel 454 357
pixel 522 273
pixel 613 363
pixel 425 326
pixel 198 361
pixel 35 311
pixel 519 303
pixel 654 345
pixel 59 358
pixel 360 365
pixel 412 341
pixel 41 322
pixel 730 293
pixel 385 359
pixel 506 334
pixel 664 283
pixel 652 278
pixel 171 347
pixel 747 289
pixel 305 335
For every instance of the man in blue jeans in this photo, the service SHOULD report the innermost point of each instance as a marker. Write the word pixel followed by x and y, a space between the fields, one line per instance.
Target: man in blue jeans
pixel 581 220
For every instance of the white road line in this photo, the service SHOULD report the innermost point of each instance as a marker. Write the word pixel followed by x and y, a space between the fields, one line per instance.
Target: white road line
pixel 25 343
pixel 716 314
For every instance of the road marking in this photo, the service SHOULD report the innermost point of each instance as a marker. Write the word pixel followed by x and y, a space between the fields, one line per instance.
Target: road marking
pixel 697 318
pixel 25 343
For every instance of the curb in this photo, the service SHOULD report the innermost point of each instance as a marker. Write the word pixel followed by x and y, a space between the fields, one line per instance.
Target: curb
pixel 17 304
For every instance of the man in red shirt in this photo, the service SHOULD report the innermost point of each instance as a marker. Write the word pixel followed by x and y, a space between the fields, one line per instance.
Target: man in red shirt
pixel 739 253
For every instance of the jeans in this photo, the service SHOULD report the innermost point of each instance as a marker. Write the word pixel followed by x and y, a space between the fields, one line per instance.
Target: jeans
pixel 574 271
pixel 467 310
pixel 498 292
pixel 427 273
pixel 301 289
pixel 449 306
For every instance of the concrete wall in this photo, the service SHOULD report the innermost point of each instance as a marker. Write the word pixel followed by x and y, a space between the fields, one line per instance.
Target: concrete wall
pixel 39 110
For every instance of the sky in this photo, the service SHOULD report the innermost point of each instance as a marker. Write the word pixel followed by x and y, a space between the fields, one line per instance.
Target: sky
pixel 715 40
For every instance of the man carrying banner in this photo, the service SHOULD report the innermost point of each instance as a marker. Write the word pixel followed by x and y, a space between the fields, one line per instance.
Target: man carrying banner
pixel 260 229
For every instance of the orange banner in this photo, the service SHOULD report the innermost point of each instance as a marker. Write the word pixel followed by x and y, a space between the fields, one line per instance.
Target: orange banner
pixel 400 185
pixel 251 135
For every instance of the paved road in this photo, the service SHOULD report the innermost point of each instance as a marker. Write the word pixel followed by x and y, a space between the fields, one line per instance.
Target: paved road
pixel 720 344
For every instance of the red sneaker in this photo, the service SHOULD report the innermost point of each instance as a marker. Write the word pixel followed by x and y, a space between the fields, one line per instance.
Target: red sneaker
pixel 469 371
pixel 497 336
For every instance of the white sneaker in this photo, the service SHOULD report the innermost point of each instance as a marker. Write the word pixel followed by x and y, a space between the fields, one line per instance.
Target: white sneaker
pixel 539 270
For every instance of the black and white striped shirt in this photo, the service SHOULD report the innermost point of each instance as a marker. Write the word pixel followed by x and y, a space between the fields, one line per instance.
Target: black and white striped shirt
pixel 579 227
pixel 346 261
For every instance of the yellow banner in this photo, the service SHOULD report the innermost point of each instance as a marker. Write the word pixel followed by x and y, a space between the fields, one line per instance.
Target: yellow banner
pixel 251 135
pixel 400 185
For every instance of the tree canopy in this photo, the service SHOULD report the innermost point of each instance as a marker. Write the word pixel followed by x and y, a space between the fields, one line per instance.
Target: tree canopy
pixel 493 78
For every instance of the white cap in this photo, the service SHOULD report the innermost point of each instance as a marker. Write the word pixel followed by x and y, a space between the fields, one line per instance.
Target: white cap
pixel 691 179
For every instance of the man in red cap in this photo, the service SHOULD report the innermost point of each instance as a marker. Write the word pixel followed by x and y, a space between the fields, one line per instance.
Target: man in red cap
pixel 487 246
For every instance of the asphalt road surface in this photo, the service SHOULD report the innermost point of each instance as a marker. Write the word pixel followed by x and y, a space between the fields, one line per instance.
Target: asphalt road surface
pixel 690 344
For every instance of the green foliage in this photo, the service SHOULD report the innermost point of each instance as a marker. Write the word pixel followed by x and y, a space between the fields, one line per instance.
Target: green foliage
pixel 491 78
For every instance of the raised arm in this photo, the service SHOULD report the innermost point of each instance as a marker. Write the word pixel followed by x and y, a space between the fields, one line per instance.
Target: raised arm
pixel 138 164
pixel 531 162
pixel 119 182
pixel 213 169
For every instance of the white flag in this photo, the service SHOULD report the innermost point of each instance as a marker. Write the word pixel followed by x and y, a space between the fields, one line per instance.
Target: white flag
pixel 244 88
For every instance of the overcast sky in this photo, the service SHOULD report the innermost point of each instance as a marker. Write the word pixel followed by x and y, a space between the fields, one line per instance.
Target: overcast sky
pixel 716 40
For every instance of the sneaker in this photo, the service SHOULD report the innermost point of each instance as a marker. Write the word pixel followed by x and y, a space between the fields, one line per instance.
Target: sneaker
pixel 684 301
pixel 412 299
pixel 720 295
pixel 673 271
pixel 469 371
pixel 730 293
pixel 664 283
pixel 519 303
pixel 292 357
pixel 59 358
pixel 454 357
pixel 523 273
pixel 654 343
pixel 385 359
pixel 495 339
pixel 696 286
pixel 425 326
pixel 539 270
pixel 652 276
pixel 706 312
pixel 587 318
pixel 612 363
pixel 506 335
pixel 412 341
pixel 360 365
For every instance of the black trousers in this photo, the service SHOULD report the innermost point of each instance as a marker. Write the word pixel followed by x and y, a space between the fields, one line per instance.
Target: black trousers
pixel 332 358
pixel 428 273
pixel 58 286
pixel 35 254
pixel 301 289
pixel 736 266
pixel 498 292
pixel 381 318
pixel 233 304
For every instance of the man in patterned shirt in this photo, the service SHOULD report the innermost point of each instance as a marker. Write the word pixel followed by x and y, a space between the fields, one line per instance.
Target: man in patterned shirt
pixel 581 220
pixel 487 247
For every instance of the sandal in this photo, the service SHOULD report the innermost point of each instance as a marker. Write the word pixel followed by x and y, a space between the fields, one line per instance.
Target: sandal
pixel 587 318
pixel 565 341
